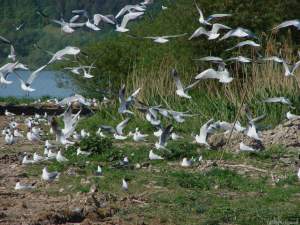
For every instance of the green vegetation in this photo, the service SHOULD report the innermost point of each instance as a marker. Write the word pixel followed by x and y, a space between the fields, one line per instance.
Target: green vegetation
pixel 169 194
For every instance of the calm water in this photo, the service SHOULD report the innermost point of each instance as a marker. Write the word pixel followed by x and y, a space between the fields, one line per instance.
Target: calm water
pixel 48 83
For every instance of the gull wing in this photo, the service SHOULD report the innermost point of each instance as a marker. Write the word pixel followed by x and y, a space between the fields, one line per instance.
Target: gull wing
pixel 217 26
pixel 177 79
pixel 165 134
pixel 288 23
pixel 130 16
pixel 34 74
pixel 174 36
pixel 214 16
pixel 121 126
pixel 199 32
pixel 297 64
pixel 191 85
pixel 74 18
pixel 208 74
pixel 4 40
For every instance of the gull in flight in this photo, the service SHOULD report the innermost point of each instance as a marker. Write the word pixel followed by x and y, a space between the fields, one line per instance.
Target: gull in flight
pixel 76 70
pixel 273 58
pixel 68 27
pixel 238 32
pixel 295 23
pixel 130 16
pixel 70 123
pixel 212 34
pixel 105 18
pixel 20 26
pixel 87 73
pixel 118 131
pixel 162 142
pixel 153 156
pixel 12 54
pixel 59 55
pixel 49 176
pixel 290 71
pixel 92 26
pixel 244 43
pixel 246 148
pixel 282 100
pixel 222 75
pixel 291 116
pixel 201 138
pixel 240 59
pixel 164 39
pixel 182 91
pixel 26 86
pixel 204 21
pixel 126 103
pixel 130 8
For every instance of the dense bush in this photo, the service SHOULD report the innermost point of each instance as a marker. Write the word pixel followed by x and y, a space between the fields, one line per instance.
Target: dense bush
pixel 95 144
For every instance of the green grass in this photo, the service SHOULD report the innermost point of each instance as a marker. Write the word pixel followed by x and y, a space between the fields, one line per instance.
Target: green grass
pixel 174 195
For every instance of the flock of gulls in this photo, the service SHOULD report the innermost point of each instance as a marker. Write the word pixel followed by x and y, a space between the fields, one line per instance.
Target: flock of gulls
pixel 155 115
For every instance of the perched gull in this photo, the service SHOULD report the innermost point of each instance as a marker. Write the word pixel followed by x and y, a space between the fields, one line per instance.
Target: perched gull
pixel 201 138
pixel 291 116
pixel 49 176
pixel 60 158
pixel 252 133
pixel 246 148
pixel 164 39
pixel 130 16
pixel 186 163
pixel 153 156
pixel 99 171
pixel 137 136
pixel 245 43
pixel 79 152
pixel 238 32
pixel 295 23
pixel 181 91
pixel 124 185
pixel 20 186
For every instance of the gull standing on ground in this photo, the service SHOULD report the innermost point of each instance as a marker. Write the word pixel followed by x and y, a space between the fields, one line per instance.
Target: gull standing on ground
pixel 20 186
pixel 153 156
pixel 181 91
pixel 60 158
pixel 186 163
pixel 291 116
pixel 49 176
pixel 246 148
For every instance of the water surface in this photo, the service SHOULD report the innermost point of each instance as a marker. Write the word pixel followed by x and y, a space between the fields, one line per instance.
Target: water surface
pixel 48 83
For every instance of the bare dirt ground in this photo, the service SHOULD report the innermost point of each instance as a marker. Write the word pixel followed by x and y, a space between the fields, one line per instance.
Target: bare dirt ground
pixel 37 206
